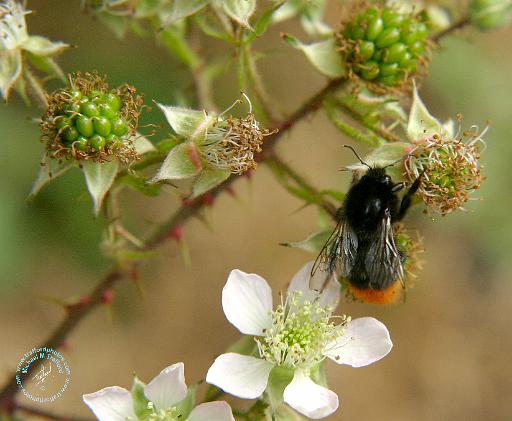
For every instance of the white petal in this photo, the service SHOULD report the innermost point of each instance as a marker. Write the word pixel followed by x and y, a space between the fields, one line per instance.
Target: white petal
pixel 111 404
pixel 302 281
pixel 168 388
pixel 240 375
pixel 211 411
pixel 309 398
pixel 365 341
pixel 247 302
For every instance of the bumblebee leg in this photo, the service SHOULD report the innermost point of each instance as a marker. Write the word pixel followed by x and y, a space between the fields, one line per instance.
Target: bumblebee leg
pixel 407 199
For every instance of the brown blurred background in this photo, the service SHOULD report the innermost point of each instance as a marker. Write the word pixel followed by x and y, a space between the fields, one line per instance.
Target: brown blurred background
pixel 451 359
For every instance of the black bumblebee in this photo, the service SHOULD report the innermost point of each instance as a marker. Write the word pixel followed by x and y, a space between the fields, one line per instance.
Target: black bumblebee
pixel 362 247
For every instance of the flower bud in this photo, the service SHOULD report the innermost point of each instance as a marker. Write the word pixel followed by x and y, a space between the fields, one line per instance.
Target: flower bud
pixel 490 14
pixel 89 121
pixel 384 47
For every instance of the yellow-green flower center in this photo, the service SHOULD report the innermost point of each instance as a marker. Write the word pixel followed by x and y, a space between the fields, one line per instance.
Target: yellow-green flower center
pixel 300 332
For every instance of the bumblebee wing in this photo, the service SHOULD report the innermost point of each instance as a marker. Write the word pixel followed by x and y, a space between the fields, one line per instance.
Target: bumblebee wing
pixel 383 262
pixel 339 251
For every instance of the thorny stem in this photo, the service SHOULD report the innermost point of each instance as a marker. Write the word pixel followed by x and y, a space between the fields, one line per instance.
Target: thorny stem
pixel 76 312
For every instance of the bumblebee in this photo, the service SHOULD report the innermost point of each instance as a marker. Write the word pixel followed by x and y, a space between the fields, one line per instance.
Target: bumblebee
pixel 362 247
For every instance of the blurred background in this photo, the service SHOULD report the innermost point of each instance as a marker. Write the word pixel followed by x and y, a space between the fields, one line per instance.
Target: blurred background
pixel 451 359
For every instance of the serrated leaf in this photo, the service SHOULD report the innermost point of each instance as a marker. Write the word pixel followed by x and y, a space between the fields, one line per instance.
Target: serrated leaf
pixel 181 162
pixel 239 10
pixel 322 55
pixel 313 243
pixel 207 180
pixel 99 178
pixel 421 123
pixel 10 70
pixel 191 124
pixel 41 46
pixel 50 169
pixel 181 9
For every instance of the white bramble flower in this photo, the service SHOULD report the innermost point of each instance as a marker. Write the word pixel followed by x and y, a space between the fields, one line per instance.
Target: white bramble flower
pixel 162 399
pixel 295 338
pixel 15 40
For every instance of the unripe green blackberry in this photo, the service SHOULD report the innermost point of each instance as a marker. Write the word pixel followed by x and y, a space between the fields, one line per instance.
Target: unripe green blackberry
pixel 384 47
pixel 89 121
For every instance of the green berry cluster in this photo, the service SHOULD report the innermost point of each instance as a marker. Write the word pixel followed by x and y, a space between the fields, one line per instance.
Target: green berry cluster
pixel 385 46
pixel 89 121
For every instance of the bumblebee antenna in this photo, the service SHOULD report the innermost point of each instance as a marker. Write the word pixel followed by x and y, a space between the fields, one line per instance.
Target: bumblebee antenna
pixel 358 157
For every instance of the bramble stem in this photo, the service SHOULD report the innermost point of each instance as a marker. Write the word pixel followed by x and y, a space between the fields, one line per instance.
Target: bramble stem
pixel 77 312
pixel 455 26
pixel 279 165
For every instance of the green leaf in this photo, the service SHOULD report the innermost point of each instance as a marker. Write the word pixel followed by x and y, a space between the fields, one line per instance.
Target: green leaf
pixel 207 180
pixel 279 378
pixel 185 406
pixel 50 169
pixel 165 145
pixel 10 70
pixel 191 124
pixel 421 123
pixel 181 9
pixel 261 24
pixel 245 346
pixel 174 41
pixel 313 243
pixel 181 162
pixel 322 55
pixel 210 26
pixel 99 178
pixel 140 402
pixel 239 10
pixel 41 46
pixel 139 184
